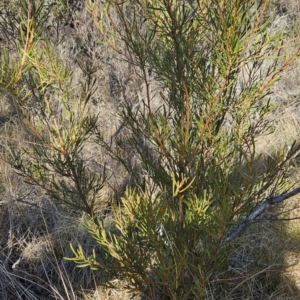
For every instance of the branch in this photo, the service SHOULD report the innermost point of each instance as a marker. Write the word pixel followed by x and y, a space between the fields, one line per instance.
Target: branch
pixel 257 212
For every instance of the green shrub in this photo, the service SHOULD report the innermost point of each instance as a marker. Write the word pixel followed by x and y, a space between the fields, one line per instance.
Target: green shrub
pixel 215 63
pixel 199 175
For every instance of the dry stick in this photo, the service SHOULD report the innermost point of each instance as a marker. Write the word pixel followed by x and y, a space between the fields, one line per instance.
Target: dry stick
pixel 257 212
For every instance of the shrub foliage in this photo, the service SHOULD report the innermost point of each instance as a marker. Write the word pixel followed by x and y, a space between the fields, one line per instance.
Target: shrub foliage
pixel 195 137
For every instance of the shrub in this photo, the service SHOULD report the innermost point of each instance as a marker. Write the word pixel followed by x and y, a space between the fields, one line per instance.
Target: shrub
pixel 197 176
pixel 201 174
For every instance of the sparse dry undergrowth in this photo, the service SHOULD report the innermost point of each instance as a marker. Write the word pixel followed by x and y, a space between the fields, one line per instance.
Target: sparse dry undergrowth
pixel 35 233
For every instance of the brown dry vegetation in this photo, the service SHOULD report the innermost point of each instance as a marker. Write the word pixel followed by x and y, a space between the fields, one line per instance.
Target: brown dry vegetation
pixel 35 232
